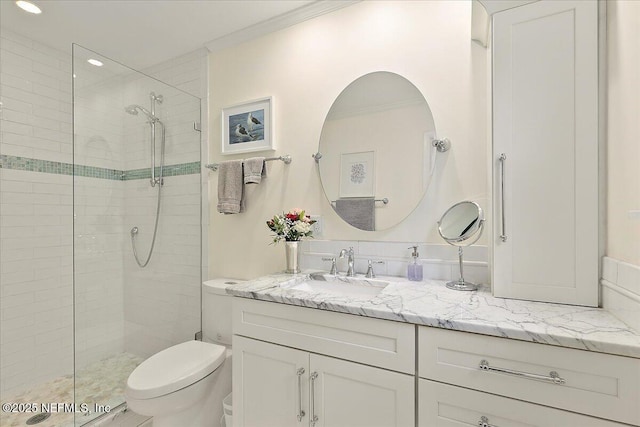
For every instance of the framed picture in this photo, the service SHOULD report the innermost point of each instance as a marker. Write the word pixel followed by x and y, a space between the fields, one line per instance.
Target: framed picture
pixel 357 174
pixel 248 127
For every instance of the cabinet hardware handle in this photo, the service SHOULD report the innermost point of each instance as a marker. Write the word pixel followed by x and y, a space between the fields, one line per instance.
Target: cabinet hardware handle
pixel 503 230
pixel 314 417
pixel 301 413
pixel 484 422
pixel 553 376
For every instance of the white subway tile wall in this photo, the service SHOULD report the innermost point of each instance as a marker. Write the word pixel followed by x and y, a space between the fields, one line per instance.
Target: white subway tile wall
pixel 36 214
pixel 621 290
pixel 162 301
pixel 36 99
pixel 36 329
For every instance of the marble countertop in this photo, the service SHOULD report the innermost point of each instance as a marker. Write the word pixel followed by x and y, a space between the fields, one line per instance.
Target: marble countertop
pixel 430 303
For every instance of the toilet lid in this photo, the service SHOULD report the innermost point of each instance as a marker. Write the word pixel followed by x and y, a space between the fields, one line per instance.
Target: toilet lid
pixel 174 368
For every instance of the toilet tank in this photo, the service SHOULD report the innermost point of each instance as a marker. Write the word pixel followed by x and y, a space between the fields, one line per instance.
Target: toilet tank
pixel 216 310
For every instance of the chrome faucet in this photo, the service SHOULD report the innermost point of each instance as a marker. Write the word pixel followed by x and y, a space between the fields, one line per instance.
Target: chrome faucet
pixel 350 272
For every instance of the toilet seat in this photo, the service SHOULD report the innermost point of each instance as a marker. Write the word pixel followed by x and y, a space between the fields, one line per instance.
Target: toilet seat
pixel 174 368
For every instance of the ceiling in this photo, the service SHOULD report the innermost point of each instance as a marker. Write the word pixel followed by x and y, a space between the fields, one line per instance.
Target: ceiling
pixel 140 33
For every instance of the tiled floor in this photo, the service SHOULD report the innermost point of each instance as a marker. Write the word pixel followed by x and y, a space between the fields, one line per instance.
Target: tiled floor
pixel 100 383
pixel 125 419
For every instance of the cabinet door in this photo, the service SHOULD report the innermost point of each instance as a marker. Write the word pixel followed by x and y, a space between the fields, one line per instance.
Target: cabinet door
pixel 545 112
pixel 266 391
pixel 353 395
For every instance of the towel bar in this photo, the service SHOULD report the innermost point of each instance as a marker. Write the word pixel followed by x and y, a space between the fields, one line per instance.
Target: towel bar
pixel 286 159
pixel 383 200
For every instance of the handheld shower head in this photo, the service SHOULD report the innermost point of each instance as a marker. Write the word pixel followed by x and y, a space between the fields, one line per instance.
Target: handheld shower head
pixel 133 109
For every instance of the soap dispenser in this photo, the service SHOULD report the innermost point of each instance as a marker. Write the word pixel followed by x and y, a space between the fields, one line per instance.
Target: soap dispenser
pixel 414 269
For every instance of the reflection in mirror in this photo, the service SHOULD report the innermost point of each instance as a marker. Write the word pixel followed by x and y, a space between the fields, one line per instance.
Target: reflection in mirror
pixel 376 150
pixel 461 225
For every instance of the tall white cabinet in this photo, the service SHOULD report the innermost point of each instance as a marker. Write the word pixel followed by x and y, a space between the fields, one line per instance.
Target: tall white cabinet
pixel 545 152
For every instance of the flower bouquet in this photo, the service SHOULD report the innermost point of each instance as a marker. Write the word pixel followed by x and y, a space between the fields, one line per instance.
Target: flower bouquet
pixel 291 227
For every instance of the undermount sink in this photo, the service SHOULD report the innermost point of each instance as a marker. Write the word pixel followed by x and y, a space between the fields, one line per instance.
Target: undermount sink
pixel 339 285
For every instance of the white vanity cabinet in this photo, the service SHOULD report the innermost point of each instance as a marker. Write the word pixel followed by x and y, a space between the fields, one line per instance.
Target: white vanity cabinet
pixel 317 383
pixel 554 386
pixel 545 152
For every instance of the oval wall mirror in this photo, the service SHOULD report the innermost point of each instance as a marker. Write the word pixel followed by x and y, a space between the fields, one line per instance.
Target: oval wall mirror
pixel 376 151
pixel 461 225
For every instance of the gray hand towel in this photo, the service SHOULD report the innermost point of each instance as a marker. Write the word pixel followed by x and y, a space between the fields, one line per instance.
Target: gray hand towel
pixel 358 211
pixel 230 187
pixel 254 170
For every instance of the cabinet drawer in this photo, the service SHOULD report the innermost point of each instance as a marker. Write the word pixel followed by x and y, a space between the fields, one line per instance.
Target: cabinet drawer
pixel 596 384
pixel 443 405
pixel 375 342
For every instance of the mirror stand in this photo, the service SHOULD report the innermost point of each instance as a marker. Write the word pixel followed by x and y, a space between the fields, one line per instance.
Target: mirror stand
pixel 461 284
pixel 462 225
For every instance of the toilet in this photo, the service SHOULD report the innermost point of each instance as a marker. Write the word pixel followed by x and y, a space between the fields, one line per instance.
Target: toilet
pixel 184 385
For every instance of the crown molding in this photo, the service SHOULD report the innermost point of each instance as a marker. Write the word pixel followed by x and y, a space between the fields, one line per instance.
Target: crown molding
pixel 277 23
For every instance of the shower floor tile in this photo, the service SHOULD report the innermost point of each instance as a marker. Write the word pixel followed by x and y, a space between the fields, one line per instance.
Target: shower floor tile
pixel 101 383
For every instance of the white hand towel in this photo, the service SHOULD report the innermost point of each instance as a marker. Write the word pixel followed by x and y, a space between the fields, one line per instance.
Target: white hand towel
pixel 254 170
pixel 230 187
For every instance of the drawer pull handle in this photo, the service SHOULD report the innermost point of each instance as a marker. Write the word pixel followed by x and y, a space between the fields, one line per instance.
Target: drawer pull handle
pixel 553 376
pixel 301 413
pixel 314 417
pixel 484 422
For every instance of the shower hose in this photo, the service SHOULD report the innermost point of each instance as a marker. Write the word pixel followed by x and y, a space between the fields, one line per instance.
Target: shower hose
pixel 159 181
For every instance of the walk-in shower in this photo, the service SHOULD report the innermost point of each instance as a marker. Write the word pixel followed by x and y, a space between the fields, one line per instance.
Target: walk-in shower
pixel 153 121
pixel 137 166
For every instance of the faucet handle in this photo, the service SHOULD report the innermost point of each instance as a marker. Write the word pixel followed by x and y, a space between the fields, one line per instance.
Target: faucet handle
pixel 334 270
pixel 370 273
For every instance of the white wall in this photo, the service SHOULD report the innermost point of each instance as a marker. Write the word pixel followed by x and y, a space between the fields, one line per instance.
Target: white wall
pixel 623 130
pixel 36 295
pixel 621 265
pixel 304 68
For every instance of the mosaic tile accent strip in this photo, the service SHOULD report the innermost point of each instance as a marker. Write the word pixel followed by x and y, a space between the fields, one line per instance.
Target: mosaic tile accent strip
pixel 169 170
pixel 60 168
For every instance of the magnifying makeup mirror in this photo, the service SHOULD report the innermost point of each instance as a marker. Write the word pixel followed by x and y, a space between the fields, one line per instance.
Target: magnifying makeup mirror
pixel 461 225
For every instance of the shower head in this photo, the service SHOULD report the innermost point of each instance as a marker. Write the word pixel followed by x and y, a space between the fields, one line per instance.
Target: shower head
pixel 133 110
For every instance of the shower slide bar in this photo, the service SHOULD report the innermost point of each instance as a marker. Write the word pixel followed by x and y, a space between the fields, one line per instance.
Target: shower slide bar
pixel 286 159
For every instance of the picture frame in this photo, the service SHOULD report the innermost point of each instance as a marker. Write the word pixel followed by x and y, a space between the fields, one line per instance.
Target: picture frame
pixel 357 174
pixel 248 127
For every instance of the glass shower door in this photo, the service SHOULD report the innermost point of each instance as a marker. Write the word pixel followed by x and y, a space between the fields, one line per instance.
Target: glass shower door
pixel 136 174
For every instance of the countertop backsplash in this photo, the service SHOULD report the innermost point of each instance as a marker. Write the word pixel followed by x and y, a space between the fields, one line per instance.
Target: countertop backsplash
pixel 440 261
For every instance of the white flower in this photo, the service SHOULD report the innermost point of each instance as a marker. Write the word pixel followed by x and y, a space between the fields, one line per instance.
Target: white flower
pixel 302 227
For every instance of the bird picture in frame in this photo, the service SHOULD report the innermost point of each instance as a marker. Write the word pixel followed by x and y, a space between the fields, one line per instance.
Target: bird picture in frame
pixel 248 127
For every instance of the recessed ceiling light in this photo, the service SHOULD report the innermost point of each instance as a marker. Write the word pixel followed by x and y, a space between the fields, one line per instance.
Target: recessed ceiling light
pixel 95 62
pixel 29 7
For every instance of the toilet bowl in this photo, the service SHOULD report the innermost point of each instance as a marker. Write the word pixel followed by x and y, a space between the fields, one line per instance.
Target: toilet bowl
pixel 184 385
